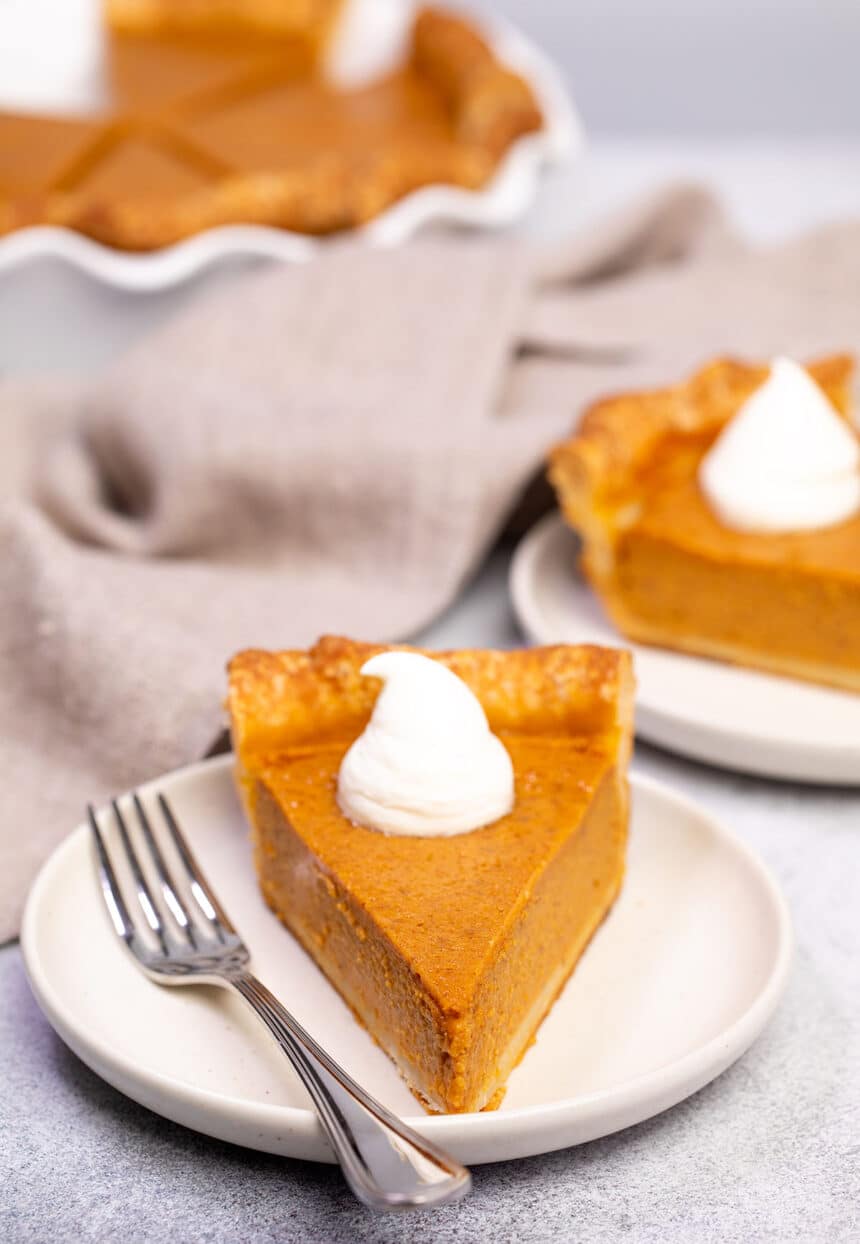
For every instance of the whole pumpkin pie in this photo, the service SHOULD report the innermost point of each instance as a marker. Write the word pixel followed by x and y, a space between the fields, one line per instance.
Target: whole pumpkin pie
pixel 450 950
pixel 220 113
pixel 669 571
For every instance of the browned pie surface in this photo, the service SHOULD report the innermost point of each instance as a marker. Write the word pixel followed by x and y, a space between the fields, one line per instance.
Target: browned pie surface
pixel 35 153
pixel 444 902
pixel 167 73
pixel 673 505
pixel 307 18
pixel 292 123
pixel 231 121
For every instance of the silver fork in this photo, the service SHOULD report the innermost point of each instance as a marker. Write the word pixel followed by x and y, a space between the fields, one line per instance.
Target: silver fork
pixel 189 940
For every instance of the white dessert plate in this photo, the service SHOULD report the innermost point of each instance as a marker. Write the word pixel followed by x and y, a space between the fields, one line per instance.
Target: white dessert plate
pixel 712 711
pixel 65 77
pixel 675 986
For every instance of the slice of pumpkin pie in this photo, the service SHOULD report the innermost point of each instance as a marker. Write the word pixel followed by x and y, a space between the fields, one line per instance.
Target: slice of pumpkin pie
pixel 721 516
pixel 443 833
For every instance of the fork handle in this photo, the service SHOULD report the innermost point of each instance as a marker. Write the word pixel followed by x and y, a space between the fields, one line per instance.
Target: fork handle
pixel 387 1164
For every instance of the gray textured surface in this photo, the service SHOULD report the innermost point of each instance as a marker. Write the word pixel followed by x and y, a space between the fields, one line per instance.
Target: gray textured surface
pixel 769 1152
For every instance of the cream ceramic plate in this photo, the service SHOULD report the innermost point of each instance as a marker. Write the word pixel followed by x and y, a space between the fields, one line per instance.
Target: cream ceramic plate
pixel 65 77
pixel 677 983
pixel 709 710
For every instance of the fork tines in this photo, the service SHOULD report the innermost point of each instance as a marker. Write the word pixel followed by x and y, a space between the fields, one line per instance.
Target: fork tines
pixel 176 920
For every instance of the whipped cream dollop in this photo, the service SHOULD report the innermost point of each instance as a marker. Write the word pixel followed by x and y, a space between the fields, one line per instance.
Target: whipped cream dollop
pixel 787 461
pixel 427 763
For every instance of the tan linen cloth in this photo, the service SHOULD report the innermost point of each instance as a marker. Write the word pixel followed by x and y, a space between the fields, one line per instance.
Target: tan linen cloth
pixel 329 447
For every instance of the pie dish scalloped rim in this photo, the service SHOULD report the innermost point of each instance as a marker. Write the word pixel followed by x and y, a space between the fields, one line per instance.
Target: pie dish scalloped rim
pixel 503 201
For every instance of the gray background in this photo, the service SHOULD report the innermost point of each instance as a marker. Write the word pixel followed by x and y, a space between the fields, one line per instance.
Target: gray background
pixel 679 67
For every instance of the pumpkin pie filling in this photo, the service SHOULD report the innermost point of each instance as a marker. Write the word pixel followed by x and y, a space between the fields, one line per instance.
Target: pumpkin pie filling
pixel 449 950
